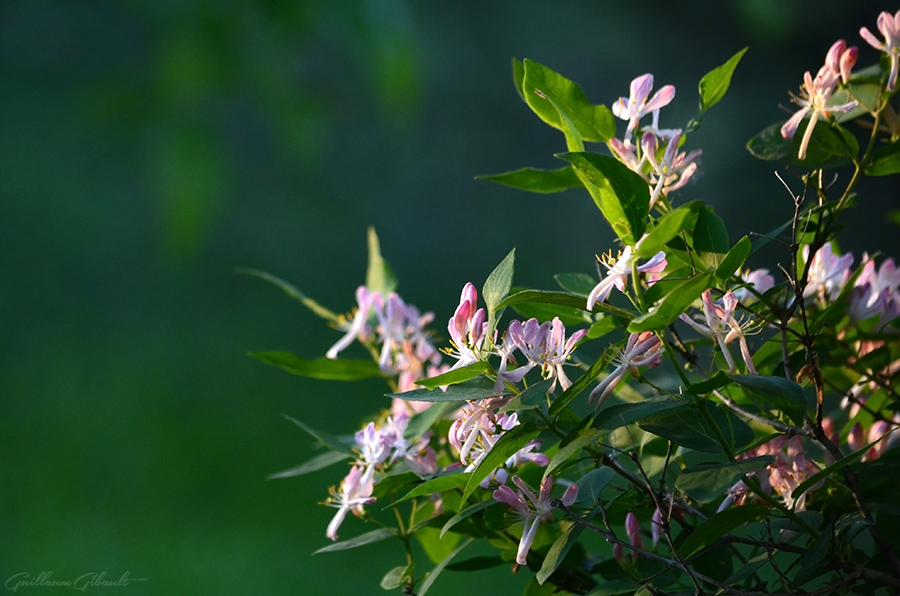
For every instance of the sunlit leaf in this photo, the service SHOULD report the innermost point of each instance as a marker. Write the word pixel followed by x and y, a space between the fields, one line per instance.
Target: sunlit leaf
pixel 885 161
pixel 294 293
pixel 496 288
pixel 476 369
pixel 367 538
pixel 533 180
pixel 715 83
pixel 710 238
pixel 436 485
pixel 321 368
pixel 666 228
pixel 379 277
pixel 672 305
pixel 831 146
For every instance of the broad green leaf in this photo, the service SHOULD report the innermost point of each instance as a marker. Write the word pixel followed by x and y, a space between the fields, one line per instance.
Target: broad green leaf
pixel 831 146
pixel 576 283
pixel 436 485
pixel 507 445
pixel 395 484
pixel 784 394
pixel 379 277
pixel 707 482
pixel 594 123
pixel 587 436
pixel 885 161
pixel 426 585
pixel 330 441
pixel 718 525
pixel 583 382
pixel 622 196
pixel 395 578
pixel 617 416
pixel 717 381
pixel 574 140
pixel 423 421
pixel 710 238
pixel 533 180
pixel 531 398
pixel 323 460
pixel 602 327
pixel 496 288
pixel 570 316
pixel 667 227
pixel 367 538
pixel 562 299
pixel 321 368
pixel 689 428
pixel 563 544
pixel 294 293
pixel 865 89
pixel 672 305
pixel 436 548
pixel 465 514
pixel 715 83
pixel 519 77
pixel 591 484
pixel 477 388
pixel 734 260
pixel 476 369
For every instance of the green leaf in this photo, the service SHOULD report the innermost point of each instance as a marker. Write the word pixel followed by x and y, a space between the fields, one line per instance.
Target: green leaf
pixel 616 587
pixel 602 327
pixel 533 180
pixel 576 283
pixel 835 467
pixel 426 585
pixel 667 227
pixel 620 415
pixel 715 83
pixel 531 398
pixel 465 514
pixel 591 484
pixel 394 578
pixel 321 368
pixel 574 140
pixel 562 299
pixel 367 538
pixel 689 428
pixel 577 387
pixel 423 421
pixel 622 196
pixel 519 77
pixel 294 293
pixel 435 485
pixel 710 238
pixel 717 381
pixel 734 260
pixel 543 312
pixel 323 460
pixel 707 482
pixel 476 369
pixel 435 547
pixel 330 441
pixel 885 161
pixel 508 444
pixel 829 147
pixel 585 437
pixel 718 525
pixel 379 277
pixel 477 388
pixel 672 305
pixel 784 394
pixel 476 564
pixel 496 288
pixel 563 544
pixel 594 123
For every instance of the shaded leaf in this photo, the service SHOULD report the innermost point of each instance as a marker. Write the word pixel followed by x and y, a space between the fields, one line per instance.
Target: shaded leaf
pixel 562 299
pixel 707 482
pixel 617 416
pixel 829 147
pixel 531 398
pixel 622 196
pixel 477 388
pixel 784 394
pixel 436 485
pixel 330 441
pixel 835 467
pixel 321 461
pixel 710 238
pixel 476 564
pixel 576 283
pixel 591 484
pixel 578 386
pixel 321 368
pixel 294 293
pixel 423 421
pixel 734 260
pixel 717 381
pixel 689 428
pixel 426 585
pixel 885 161
pixel 367 538
pixel 585 437
pixel 562 545
pixel 466 513
pixel 718 525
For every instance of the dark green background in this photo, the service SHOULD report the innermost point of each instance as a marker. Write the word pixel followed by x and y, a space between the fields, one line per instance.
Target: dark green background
pixel 149 148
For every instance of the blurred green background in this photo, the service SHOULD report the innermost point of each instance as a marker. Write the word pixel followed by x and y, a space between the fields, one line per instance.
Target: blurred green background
pixel 148 148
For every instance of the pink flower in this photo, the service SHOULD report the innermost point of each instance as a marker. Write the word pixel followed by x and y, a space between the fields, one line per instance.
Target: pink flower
pixel 365 299
pixel 352 496
pixel 841 59
pixel 543 345
pixel 675 168
pixel 827 272
pixel 637 105
pixel 532 510
pixel 889 26
pixel 758 279
pixel 467 328
pixel 722 327
pixel 813 100
pixel 618 272
pixel 641 349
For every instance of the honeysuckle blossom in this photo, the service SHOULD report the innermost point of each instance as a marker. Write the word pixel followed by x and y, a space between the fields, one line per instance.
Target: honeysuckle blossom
pixel 532 510
pixel 722 327
pixel 353 495
pixel 889 26
pixel 641 349
pixel 543 345
pixel 639 103
pixel 841 59
pixel 357 327
pixel 618 271
pixel 467 328
pixel 758 279
pixel 790 470
pixel 814 98
pixel 656 529
pixel 401 331
pixel 827 272
pixel 674 169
